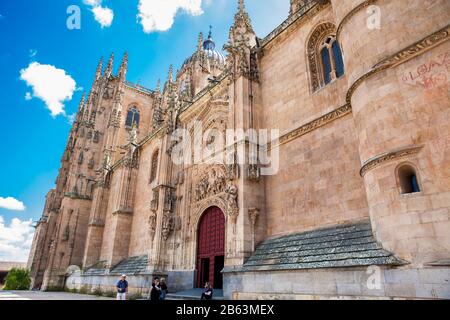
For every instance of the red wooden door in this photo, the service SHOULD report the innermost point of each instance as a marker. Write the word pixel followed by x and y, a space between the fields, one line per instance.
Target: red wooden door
pixel 211 248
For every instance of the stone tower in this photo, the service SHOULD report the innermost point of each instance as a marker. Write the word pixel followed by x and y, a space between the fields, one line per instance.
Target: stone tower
pixel 399 110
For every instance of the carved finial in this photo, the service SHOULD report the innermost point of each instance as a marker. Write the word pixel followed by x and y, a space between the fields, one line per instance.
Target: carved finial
pixel 133 135
pixel 210 32
pixel 124 66
pixel 158 86
pixel 241 6
pixel 109 68
pixel 200 42
pixel 82 101
pixel 242 25
pixel 98 73
pixel 170 74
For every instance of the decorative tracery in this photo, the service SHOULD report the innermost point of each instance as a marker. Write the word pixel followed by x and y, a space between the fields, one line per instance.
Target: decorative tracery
pixel 324 56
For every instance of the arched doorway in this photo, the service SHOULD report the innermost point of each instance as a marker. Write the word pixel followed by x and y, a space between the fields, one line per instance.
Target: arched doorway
pixel 211 248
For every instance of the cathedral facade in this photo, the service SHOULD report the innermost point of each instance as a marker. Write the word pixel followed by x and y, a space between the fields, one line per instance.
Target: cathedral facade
pixel 312 163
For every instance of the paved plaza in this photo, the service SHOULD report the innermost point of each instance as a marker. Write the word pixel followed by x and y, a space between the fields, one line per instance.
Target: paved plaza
pixel 38 295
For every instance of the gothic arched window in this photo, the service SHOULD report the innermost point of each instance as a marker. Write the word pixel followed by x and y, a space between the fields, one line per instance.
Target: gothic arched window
pixel 154 166
pixel 132 117
pixel 325 56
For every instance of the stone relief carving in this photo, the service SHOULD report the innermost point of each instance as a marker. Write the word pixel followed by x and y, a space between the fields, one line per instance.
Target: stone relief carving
pixel 152 222
pixel 179 178
pixel 232 167
pixel 131 159
pixel 66 233
pixel 253 215
pixel 253 172
pixel 80 158
pixel 232 202
pixel 109 92
pixel 105 170
pixel 96 137
pixel 155 200
pixel 379 160
pixel 170 200
pixel 91 162
pixel 210 184
pixel 168 225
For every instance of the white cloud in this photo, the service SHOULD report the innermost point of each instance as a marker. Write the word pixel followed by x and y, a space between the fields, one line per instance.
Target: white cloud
pixel 28 96
pixel 52 85
pixel 159 15
pixel 15 240
pixel 11 204
pixel 93 3
pixel 103 15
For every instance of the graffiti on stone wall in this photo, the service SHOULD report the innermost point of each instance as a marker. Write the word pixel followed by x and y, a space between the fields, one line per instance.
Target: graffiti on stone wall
pixel 432 74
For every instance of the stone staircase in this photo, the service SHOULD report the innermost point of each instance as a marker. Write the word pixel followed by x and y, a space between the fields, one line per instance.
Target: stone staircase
pixel 193 295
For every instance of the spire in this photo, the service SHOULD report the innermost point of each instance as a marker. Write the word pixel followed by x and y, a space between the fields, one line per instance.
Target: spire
pixel 87 107
pixel 210 32
pixel 242 28
pixel 82 101
pixel 158 86
pixel 200 41
pixel 109 68
pixel 241 6
pixel 98 73
pixel 124 66
pixel 171 74
pixel 209 43
pixel 242 15
pixel 81 107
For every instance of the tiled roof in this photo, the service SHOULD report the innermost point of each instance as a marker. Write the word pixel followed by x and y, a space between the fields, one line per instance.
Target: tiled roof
pixel 96 270
pixel 131 266
pixel 336 247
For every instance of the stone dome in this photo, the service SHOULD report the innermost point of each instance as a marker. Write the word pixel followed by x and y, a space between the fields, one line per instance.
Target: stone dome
pixel 209 49
pixel 209 46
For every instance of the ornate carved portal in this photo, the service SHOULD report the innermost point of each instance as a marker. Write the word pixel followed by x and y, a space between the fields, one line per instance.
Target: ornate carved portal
pixel 212 186
pixel 211 248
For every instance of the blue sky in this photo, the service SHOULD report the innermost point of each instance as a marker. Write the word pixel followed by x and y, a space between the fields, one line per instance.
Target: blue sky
pixel 35 31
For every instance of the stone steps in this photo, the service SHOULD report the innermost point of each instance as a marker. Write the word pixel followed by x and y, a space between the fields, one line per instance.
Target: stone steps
pixel 193 295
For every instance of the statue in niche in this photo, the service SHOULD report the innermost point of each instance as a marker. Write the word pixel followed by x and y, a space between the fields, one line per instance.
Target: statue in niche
pixel 152 222
pixel 232 201
pixel 109 92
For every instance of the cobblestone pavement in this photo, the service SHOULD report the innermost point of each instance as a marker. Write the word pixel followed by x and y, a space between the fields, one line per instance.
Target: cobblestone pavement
pixel 37 295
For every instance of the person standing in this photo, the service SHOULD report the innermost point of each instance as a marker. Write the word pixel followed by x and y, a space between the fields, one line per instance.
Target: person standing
pixel 164 289
pixel 155 292
pixel 122 288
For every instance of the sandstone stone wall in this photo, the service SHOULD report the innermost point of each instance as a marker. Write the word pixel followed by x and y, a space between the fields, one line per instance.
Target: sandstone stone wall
pixel 398 76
